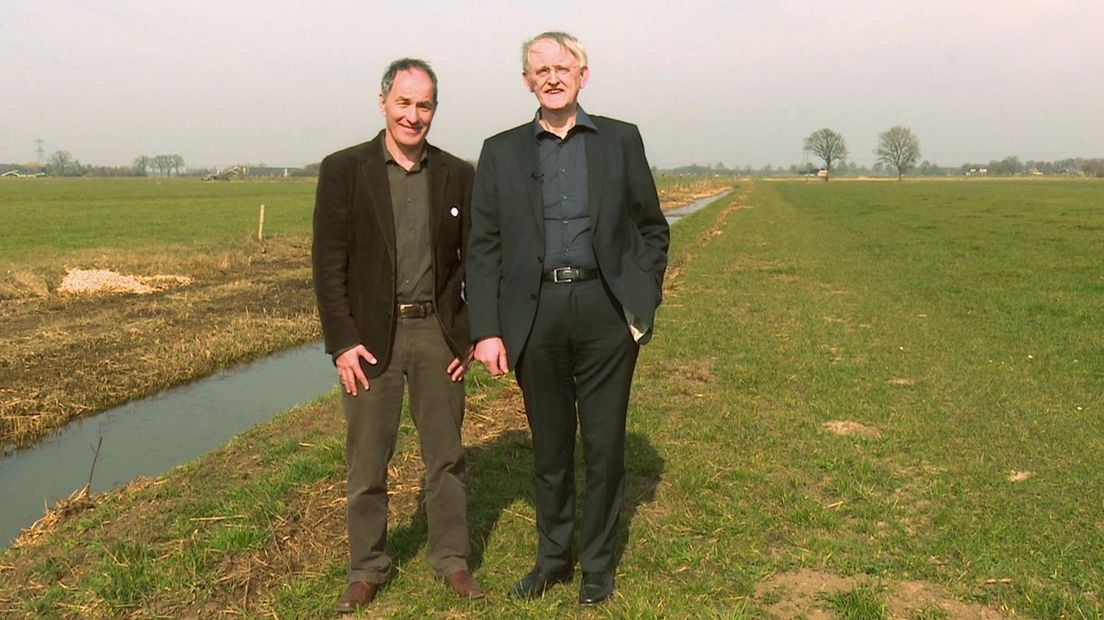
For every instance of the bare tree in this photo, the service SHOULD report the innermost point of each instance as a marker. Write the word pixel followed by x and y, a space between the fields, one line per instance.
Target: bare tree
pixel 176 162
pixel 899 148
pixel 60 163
pixel 142 165
pixel 163 164
pixel 827 145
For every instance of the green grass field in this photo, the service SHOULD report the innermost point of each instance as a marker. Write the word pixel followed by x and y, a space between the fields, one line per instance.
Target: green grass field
pixel 959 323
pixel 867 400
pixel 45 217
pixel 52 216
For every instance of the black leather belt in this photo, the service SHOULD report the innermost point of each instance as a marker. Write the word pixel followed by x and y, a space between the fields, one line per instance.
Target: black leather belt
pixel 417 310
pixel 570 274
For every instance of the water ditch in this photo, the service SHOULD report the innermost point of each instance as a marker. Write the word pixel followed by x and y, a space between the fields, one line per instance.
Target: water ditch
pixel 675 215
pixel 150 436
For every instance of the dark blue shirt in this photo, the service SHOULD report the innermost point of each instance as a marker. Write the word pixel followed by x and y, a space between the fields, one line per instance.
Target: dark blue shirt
pixel 563 166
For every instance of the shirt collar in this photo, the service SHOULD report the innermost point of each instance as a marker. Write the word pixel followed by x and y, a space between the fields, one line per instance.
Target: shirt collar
pixel 390 159
pixel 581 120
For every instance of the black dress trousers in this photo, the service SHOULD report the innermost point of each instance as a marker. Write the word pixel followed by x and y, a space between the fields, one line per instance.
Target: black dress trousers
pixel 577 365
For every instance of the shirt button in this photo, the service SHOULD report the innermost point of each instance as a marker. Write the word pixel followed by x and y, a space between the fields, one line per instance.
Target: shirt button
pixel 562 171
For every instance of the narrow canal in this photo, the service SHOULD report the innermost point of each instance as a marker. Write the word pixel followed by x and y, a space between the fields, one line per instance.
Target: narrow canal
pixel 150 436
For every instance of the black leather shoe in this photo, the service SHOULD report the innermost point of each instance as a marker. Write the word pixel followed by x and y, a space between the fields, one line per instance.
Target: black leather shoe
pixel 596 588
pixel 536 582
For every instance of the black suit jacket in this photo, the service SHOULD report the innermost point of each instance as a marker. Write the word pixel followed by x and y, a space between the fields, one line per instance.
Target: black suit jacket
pixel 354 249
pixel 505 254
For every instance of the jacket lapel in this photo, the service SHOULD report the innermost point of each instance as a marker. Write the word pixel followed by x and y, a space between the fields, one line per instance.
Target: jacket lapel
pixel 529 162
pixel 438 179
pixel 374 172
pixel 596 174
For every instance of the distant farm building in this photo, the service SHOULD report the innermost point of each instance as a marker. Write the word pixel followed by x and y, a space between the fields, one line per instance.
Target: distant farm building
pixel 19 174
pixel 233 172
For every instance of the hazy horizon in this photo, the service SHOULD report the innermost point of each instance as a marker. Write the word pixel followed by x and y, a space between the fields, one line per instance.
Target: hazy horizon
pixel 741 83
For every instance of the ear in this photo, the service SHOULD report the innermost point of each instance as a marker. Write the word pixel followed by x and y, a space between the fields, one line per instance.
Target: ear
pixel 528 83
pixel 381 102
pixel 584 76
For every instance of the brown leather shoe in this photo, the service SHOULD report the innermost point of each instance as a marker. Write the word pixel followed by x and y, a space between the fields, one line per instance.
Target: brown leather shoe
pixel 358 594
pixel 464 585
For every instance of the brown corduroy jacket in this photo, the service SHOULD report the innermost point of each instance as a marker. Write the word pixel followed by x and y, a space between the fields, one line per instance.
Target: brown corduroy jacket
pixel 353 252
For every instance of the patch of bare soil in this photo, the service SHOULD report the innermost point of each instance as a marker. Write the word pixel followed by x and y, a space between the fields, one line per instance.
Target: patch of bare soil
pixel 695 376
pixel 846 428
pixel 106 281
pixel 911 498
pixel 803 594
pixel 1018 476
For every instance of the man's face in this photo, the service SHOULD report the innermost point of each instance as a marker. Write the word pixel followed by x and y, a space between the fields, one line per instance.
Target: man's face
pixel 409 108
pixel 554 75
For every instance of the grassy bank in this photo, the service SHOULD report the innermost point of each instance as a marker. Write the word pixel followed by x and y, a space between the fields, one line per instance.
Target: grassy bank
pixel 863 401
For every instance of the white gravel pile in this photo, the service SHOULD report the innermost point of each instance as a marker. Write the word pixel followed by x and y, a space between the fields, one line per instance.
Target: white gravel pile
pixel 92 281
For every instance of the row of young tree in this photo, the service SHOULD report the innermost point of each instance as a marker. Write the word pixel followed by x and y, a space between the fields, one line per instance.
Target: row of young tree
pixel 63 164
pixel 898 147
pixel 164 165
pixel 898 152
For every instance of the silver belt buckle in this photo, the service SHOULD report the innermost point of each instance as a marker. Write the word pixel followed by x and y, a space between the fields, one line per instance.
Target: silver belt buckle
pixel 564 270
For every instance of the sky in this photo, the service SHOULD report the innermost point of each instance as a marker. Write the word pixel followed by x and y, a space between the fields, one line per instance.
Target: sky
pixel 737 82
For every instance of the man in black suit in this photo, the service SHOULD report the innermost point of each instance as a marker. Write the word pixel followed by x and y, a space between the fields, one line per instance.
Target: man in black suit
pixel 565 269
pixel 391 222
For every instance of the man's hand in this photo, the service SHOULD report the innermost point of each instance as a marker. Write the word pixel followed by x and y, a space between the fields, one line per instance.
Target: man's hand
pixel 457 367
pixel 348 369
pixel 456 370
pixel 492 353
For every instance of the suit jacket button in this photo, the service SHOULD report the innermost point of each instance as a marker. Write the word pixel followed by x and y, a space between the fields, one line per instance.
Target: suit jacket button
pixel 533 296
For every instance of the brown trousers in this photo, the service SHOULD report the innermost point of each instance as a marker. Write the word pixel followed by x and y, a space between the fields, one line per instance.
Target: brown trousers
pixel 437 408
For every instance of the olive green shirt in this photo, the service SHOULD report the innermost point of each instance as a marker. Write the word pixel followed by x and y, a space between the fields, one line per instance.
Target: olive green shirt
pixel 410 206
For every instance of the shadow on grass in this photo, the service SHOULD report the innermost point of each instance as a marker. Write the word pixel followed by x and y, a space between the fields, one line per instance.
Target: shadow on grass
pixel 501 471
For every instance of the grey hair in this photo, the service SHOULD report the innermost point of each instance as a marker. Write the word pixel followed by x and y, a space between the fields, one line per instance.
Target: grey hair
pixel 407 64
pixel 563 39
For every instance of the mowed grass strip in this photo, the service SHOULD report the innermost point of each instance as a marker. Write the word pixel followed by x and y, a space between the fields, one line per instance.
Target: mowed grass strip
pixel 901 381
pixel 850 408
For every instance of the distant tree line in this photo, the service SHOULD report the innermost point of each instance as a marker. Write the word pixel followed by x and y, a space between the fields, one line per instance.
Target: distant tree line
pixel 898 154
pixel 1012 166
pixel 63 164
pixel 164 165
